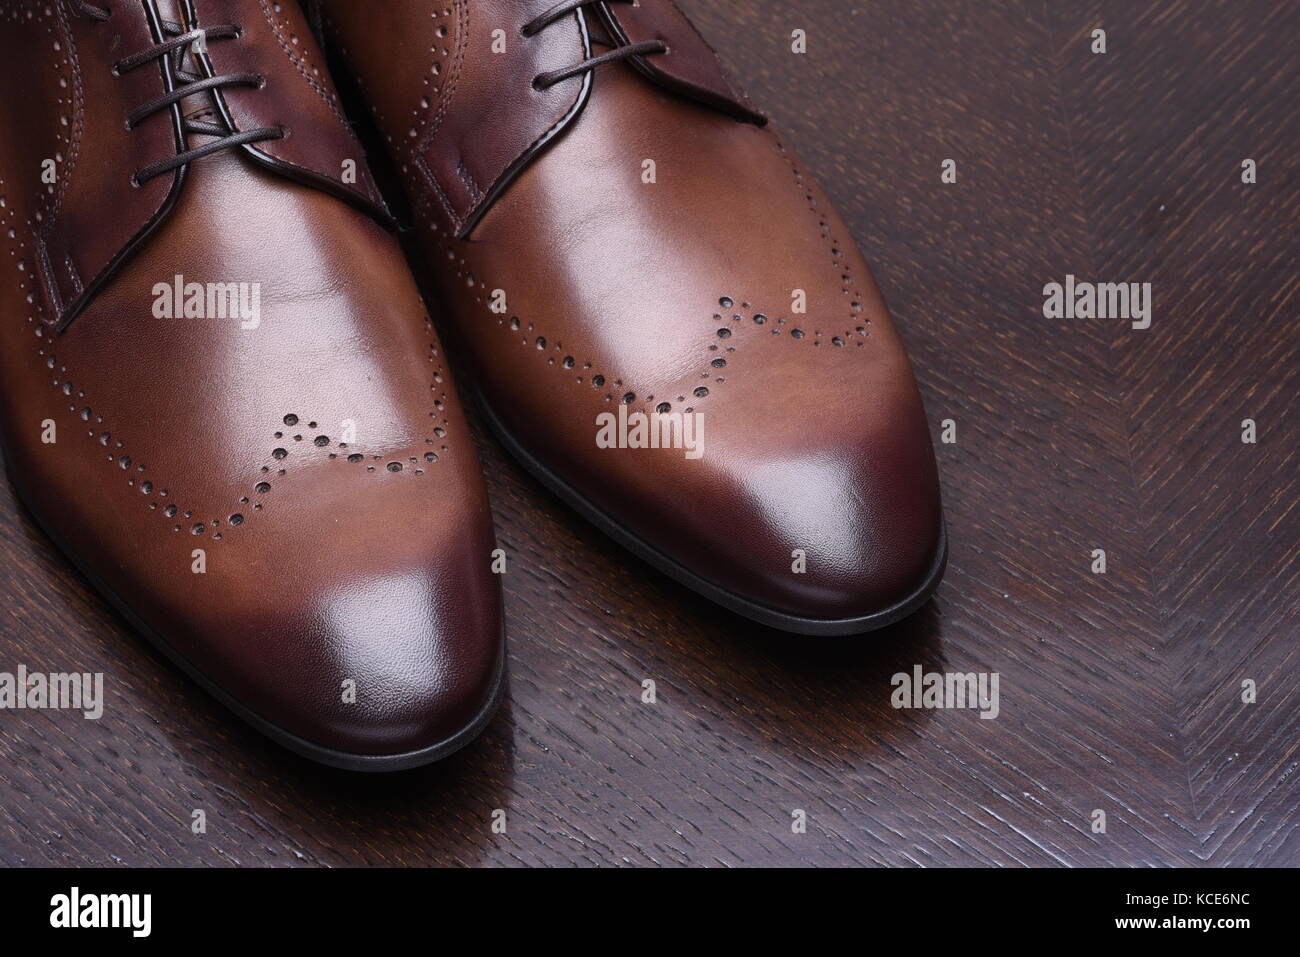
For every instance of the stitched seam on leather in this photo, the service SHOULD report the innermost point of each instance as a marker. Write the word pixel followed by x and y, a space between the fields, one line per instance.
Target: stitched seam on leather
pixel 552 128
pixel 78 116
pixel 450 87
pixel 420 196
pixel 421 164
pixel 567 117
pixel 447 208
pixel 444 103
pixel 321 91
pixel 475 191
pixel 72 274
pixel 736 94
pixel 319 88
pixel 75 133
pixel 51 283
pixel 424 116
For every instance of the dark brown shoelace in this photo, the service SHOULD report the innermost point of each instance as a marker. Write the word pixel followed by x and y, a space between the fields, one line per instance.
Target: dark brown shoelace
pixel 564 8
pixel 181 41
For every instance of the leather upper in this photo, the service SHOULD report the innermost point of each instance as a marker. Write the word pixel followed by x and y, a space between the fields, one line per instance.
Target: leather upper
pixel 689 67
pixel 469 118
pixel 288 501
pixel 657 256
pixel 78 247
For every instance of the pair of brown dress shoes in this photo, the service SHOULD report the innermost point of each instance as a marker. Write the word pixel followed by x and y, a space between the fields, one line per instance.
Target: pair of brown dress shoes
pixel 225 399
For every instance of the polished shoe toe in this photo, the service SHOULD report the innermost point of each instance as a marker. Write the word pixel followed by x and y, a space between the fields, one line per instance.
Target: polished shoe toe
pixel 393 660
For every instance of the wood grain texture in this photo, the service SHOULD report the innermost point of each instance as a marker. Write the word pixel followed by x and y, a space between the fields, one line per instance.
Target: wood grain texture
pixel 1119 692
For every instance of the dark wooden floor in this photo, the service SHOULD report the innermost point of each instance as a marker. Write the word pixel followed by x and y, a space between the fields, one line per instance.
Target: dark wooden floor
pixel 1119 692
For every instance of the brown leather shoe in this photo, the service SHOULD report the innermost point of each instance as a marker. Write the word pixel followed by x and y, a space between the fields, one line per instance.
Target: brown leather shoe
pixel 615 227
pixel 222 395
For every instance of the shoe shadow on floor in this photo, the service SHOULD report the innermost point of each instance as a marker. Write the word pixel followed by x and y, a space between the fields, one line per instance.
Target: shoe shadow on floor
pixel 829 697
pixel 827 693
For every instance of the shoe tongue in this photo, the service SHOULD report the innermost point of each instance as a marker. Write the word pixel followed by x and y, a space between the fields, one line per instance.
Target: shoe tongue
pixel 319 148
pixel 81 249
pixel 172 17
pixel 196 106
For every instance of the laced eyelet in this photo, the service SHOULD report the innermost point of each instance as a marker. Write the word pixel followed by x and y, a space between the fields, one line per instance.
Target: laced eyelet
pixel 177 38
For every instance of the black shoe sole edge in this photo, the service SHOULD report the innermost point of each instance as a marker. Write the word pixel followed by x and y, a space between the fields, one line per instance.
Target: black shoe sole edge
pixel 763 614
pixel 301 746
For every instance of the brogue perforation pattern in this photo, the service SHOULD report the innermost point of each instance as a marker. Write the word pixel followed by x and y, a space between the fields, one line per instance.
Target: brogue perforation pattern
pixel 728 323
pixel 156 496
pixel 71 104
